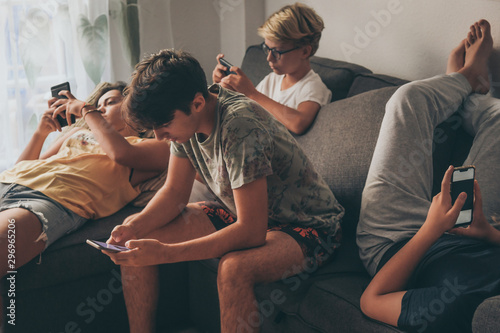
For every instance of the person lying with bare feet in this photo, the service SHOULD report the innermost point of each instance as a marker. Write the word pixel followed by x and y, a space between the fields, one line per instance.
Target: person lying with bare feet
pixel 430 275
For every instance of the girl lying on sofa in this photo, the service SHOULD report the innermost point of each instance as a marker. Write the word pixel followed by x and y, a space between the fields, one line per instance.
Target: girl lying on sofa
pixel 85 174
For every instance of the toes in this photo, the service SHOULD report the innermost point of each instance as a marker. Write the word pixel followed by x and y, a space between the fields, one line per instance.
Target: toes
pixel 472 33
pixel 485 26
pixel 470 39
pixel 479 32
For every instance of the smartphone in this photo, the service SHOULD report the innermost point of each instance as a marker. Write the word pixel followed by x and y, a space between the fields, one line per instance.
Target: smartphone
pixel 55 93
pixel 228 65
pixel 106 246
pixel 462 180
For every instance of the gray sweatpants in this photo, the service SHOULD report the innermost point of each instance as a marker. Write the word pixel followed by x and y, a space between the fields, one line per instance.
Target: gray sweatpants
pixel 397 193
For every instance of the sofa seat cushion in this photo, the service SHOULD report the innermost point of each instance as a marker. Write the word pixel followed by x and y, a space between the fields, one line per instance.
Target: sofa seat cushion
pixel 332 305
pixel 337 75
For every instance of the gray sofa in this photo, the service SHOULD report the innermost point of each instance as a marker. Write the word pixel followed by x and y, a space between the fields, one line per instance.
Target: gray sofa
pixel 77 289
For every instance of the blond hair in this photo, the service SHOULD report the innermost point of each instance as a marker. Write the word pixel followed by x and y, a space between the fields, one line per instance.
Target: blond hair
pixel 295 23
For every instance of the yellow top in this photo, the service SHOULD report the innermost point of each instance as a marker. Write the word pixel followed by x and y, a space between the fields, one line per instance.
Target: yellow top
pixel 80 176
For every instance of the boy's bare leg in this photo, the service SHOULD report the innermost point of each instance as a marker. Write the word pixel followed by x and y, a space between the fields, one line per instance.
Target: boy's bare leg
pixel 141 285
pixel 27 228
pixel 478 48
pixel 140 290
pixel 240 271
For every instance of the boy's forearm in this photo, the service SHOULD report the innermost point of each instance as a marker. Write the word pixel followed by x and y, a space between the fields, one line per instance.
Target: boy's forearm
pixel 289 117
pixel 232 238
pixel 397 271
pixel 166 205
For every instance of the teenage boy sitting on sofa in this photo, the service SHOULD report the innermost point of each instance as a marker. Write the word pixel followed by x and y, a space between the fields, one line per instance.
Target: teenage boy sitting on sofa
pixel 274 212
pixel 427 279
pixel 292 92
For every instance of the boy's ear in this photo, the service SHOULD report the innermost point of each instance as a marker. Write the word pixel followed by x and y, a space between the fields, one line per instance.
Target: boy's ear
pixel 198 102
pixel 306 51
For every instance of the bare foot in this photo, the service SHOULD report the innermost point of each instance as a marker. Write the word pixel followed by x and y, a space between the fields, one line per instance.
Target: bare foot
pixel 456 59
pixel 478 48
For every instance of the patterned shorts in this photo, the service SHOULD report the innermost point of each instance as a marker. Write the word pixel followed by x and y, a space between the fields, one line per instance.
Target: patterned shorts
pixel 317 246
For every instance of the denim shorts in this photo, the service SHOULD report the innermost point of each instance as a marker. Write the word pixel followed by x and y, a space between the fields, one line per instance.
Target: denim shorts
pixel 56 220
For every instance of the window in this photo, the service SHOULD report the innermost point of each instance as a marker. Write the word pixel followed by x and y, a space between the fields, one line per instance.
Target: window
pixel 33 59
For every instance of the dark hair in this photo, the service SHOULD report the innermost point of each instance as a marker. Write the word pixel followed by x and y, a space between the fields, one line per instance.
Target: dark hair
pixel 161 84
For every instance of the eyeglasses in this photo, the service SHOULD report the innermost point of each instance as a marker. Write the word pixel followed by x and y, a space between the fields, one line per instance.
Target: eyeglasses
pixel 276 54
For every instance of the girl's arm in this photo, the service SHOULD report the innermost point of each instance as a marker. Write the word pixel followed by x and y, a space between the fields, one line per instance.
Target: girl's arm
pixel 46 126
pixel 54 148
pixel 382 298
pixel 148 155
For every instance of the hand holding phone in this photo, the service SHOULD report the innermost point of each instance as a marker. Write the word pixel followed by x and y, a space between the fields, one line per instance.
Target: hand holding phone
pixel 228 65
pixel 462 180
pixel 55 93
pixel 106 246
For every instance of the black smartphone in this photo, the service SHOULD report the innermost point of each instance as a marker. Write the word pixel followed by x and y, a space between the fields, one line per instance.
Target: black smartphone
pixel 462 180
pixel 55 93
pixel 106 246
pixel 228 65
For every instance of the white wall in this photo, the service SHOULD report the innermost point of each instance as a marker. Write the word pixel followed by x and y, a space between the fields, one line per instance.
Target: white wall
pixel 203 28
pixel 405 38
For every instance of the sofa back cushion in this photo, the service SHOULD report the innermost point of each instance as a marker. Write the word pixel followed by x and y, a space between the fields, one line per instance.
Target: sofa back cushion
pixel 340 145
pixel 364 82
pixel 337 75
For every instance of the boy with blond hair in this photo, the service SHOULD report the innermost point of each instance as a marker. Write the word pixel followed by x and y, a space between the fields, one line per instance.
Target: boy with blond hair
pixel 292 92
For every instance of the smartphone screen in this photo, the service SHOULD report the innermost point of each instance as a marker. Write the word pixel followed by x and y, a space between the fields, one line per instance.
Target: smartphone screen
pixel 57 88
pixel 106 246
pixel 55 93
pixel 463 181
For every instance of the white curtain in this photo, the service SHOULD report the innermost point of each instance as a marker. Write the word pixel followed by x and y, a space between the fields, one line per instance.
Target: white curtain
pixel 47 42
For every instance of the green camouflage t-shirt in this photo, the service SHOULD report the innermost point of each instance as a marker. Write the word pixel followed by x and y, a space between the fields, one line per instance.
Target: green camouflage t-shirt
pixel 248 143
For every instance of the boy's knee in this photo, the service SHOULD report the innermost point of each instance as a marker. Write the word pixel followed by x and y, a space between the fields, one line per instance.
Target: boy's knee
pixel 233 270
pixel 413 93
pixel 365 304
